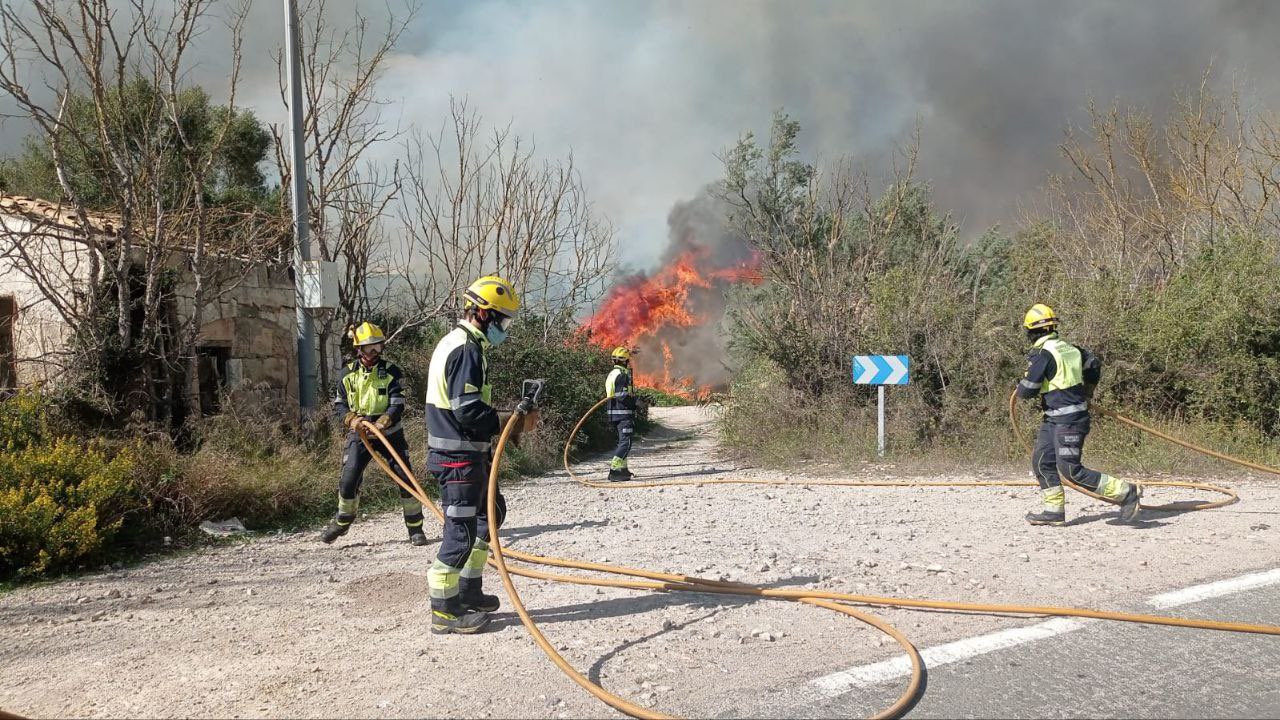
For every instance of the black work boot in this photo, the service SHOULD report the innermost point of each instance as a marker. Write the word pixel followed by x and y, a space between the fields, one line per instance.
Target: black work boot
pixel 1048 517
pixel 1130 506
pixel 617 475
pixel 417 537
pixel 474 600
pixel 453 618
pixel 334 530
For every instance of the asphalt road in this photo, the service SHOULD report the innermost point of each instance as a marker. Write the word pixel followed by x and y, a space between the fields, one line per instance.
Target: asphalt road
pixel 1107 669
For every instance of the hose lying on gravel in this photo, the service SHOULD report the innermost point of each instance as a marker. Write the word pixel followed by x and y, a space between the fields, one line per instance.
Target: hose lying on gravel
pixel 656 581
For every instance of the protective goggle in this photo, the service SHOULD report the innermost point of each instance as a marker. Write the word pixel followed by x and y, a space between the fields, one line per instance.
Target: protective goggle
pixel 502 321
pixel 374 349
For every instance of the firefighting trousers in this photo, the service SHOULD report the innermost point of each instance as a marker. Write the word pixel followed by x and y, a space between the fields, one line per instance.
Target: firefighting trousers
pixel 1059 452
pixel 625 429
pixel 464 545
pixel 355 458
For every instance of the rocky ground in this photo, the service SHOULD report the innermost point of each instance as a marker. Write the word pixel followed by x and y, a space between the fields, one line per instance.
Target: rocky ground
pixel 286 626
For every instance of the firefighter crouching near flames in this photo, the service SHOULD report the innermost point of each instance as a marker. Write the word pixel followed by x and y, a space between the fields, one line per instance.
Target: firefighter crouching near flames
pixel 1064 377
pixel 461 424
pixel 621 408
pixel 370 388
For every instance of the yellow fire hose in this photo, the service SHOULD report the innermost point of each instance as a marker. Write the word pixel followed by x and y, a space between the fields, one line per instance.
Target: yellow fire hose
pixel 669 582
pixel 1202 505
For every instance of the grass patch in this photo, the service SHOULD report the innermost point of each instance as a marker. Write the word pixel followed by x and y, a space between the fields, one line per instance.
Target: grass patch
pixel 777 428
pixel 661 398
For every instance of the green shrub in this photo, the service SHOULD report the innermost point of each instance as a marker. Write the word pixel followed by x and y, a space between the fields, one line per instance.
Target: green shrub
pixel 22 421
pixel 60 505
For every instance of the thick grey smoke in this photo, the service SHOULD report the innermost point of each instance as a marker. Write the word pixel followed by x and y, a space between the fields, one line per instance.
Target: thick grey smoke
pixel 645 94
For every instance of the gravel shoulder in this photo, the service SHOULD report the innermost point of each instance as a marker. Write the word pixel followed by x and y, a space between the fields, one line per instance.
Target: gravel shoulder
pixel 286 626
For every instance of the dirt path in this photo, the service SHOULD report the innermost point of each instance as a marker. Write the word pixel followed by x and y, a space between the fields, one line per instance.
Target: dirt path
pixel 286 626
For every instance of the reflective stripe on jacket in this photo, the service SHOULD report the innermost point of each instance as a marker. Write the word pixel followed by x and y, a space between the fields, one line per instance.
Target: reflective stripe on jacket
pixel 617 387
pixel 370 391
pixel 461 420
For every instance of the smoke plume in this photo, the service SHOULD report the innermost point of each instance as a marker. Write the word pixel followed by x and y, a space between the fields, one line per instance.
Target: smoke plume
pixel 645 94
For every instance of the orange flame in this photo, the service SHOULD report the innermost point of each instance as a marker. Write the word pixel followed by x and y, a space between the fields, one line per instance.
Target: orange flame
pixel 638 309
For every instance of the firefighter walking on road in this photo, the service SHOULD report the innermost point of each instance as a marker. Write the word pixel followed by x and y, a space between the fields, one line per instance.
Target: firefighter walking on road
pixel 621 408
pixel 461 424
pixel 370 388
pixel 1063 376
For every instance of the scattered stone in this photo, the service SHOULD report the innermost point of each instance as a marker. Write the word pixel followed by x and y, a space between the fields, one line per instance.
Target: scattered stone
pixel 100 615
pixel 248 591
pixel 1024 558
pixel 113 595
pixel 668 624
pixel 1260 526
pixel 934 568
pixel 82 600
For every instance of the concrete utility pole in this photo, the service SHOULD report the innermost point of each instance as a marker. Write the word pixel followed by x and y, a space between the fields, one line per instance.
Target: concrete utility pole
pixel 301 236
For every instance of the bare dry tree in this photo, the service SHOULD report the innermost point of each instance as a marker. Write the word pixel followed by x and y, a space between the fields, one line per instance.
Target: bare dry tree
pixel 127 66
pixel 348 197
pixel 1144 198
pixel 476 203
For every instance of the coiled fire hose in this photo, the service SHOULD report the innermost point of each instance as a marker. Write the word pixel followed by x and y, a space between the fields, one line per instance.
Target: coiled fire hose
pixel 657 581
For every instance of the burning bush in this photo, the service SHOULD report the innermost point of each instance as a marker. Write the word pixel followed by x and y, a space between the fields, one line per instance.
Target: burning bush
pixel 671 319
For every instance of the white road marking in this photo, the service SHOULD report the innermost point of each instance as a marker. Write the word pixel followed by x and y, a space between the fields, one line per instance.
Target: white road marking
pixel 1215 589
pixel 843 681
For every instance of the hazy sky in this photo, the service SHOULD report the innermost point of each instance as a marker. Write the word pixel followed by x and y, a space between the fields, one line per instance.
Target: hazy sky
pixel 646 93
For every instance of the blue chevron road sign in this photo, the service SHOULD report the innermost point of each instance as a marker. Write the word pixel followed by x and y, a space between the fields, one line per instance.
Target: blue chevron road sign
pixel 881 369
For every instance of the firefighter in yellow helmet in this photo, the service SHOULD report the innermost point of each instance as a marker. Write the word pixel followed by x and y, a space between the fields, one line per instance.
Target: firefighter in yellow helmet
pixel 621 408
pixel 461 423
pixel 370 388
pixel 1063 376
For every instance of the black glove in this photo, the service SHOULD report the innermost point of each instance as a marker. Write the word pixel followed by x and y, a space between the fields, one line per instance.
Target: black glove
pixel 525 407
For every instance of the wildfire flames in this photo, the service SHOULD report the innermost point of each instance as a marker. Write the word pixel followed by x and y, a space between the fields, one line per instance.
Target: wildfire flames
pixel 647 312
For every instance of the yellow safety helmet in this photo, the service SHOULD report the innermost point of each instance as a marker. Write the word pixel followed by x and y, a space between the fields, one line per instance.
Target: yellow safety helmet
pixel 367 334
pixel 621 353
pixel 1039 317
pixel 493 293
